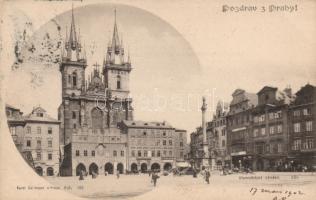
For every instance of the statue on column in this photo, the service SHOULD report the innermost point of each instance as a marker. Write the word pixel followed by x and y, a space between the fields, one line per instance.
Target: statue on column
pixel 205 161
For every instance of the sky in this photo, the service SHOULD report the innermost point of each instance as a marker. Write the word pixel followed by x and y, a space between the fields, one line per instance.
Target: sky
pixel 177 57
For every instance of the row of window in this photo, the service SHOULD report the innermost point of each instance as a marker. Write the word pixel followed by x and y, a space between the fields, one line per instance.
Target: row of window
pixel 153 133
pixel 85 153
pixel 298 128
pixel 221 122
pixel 153 153
pixel 239 120
pixel 223 131
pixel 39 156
pixel 307 144
pixel 39 130
pixel 272 115
pixel 272 130
pixel 276 129
pixel 157 142
pixel 269 148
pixel 39 143
pixel 305 112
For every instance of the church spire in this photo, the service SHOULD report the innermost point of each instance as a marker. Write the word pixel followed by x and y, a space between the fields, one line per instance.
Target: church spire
pixel 73 46
pixel 73 34
pixel 115 39
pixel 115 51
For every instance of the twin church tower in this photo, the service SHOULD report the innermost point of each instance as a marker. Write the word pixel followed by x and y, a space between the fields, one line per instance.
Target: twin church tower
pixel 97 130
pixel 99 102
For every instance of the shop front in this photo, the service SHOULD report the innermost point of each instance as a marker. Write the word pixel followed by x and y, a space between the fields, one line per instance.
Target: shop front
pixel 241 160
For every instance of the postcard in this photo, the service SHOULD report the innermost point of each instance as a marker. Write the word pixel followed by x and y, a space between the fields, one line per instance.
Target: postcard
pixel 135 99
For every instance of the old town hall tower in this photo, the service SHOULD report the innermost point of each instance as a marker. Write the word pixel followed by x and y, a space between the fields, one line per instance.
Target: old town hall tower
pixel 93 105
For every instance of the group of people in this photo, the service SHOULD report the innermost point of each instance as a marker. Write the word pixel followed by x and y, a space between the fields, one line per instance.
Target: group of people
pixel 154 175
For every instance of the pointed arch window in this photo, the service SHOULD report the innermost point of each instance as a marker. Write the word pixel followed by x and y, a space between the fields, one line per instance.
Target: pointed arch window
pixel 118 82
pixel 74 79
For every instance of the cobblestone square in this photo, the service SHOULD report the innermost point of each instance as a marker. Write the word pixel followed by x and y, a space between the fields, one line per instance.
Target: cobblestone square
pixel 176 187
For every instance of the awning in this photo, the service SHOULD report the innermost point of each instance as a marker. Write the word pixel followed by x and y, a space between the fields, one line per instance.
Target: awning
pixel 240 153
pixel 182 164
pixel 239 129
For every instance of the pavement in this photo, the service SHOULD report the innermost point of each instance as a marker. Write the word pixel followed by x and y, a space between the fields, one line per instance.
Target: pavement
pixel 260 185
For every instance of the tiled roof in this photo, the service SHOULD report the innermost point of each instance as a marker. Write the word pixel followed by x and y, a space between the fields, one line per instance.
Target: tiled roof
pixel 45 118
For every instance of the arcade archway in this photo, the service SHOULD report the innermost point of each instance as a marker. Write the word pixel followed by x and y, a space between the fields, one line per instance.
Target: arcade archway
pixel 155 167
pixel 134 167
pixel 93 168
pixel 39 171
pixel 167 166
pixel 80 168
pixel 50 171
pixel 143 168
pixel 120 168
pixel 108 168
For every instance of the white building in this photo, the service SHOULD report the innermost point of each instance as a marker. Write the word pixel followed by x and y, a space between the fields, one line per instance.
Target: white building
pixel 41 138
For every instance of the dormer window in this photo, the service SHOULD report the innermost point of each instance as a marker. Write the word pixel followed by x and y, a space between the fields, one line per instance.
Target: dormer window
pixel 39 114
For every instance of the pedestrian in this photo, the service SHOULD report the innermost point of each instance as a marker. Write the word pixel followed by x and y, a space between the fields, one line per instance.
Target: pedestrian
pixel 81 175
pixel 194 173
pixel 154 178
pixel 207 176
pixel 94 175
pixel 118 174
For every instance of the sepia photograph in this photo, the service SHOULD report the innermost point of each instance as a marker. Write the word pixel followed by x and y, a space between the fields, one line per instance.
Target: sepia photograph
pixel 114 100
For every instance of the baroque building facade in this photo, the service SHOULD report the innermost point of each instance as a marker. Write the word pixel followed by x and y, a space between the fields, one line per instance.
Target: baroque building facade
pixel 36 136
pixel 270 129
pixel 239 128
pixel 273 130
pixel 302 131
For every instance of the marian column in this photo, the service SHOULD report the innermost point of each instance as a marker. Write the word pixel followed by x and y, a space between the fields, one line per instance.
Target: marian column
pixel 205 161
